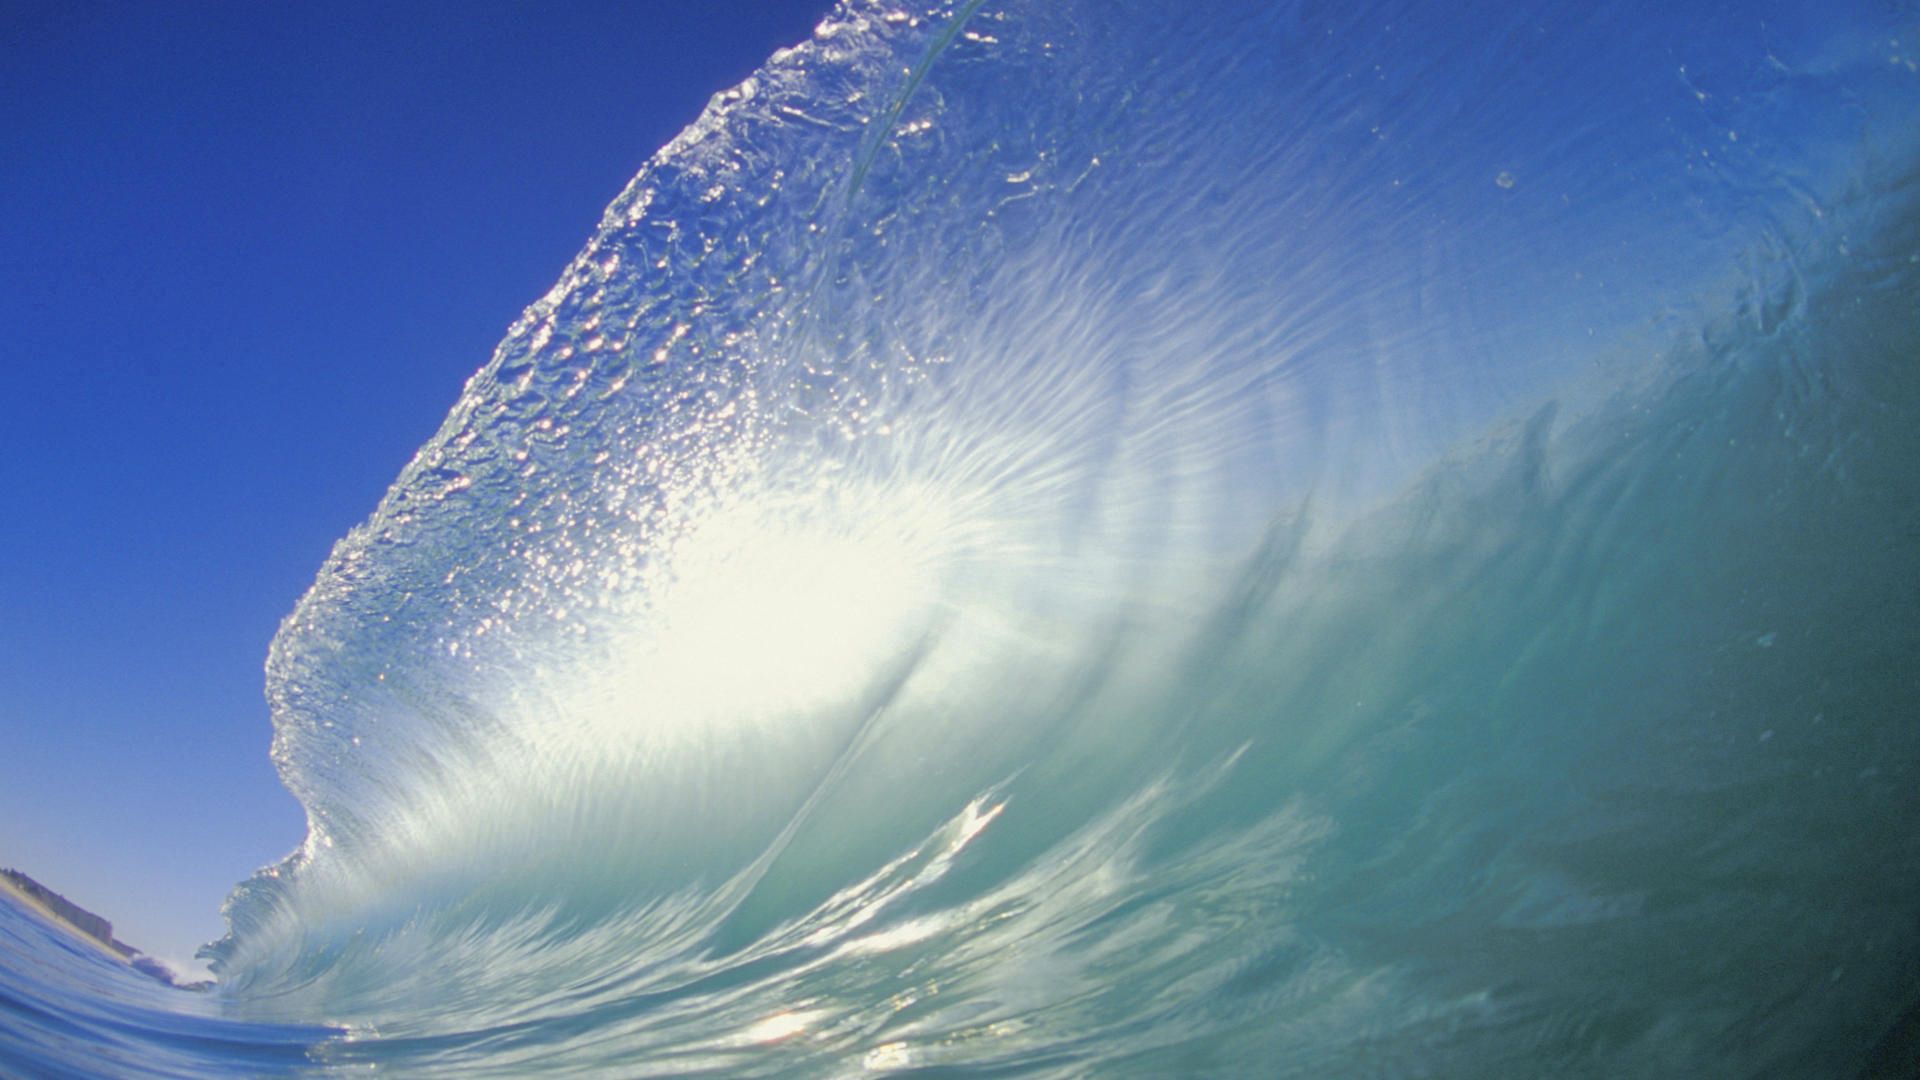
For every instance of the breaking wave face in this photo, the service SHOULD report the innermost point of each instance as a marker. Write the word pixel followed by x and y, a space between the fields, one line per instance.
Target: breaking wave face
pixel 1159 538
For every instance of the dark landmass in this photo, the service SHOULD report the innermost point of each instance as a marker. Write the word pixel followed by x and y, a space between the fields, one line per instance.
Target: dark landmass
pixel 85 924
pixel 77 918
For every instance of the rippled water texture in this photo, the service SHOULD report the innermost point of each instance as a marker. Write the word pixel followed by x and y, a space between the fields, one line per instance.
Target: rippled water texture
pixel 1140 539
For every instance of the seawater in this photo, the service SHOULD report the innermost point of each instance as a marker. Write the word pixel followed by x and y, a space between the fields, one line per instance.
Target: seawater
pixel 1140 539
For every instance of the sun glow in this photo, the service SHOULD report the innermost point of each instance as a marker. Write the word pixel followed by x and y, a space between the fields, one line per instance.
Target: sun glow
pixel 767 613
pixel 785 617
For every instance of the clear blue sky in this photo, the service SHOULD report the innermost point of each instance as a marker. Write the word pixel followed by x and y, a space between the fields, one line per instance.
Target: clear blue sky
pixel 248 255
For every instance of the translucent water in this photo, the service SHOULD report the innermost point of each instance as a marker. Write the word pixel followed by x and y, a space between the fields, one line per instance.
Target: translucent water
pixel 1141 539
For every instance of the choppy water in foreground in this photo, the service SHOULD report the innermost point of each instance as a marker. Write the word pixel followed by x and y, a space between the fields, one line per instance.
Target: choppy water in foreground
pixel 1076 539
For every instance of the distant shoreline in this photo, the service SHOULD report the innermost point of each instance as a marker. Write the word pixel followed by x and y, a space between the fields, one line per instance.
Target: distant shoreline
pixel 62 914
pixel 46 911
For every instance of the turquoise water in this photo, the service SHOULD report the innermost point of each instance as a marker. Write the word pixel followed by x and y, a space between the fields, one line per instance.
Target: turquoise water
pixel 1101 540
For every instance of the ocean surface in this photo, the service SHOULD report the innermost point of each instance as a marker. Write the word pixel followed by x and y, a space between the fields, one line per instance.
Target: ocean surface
pixel 1140 539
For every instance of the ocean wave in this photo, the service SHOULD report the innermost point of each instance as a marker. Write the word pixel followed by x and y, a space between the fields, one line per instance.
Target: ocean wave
pixel 1044 537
